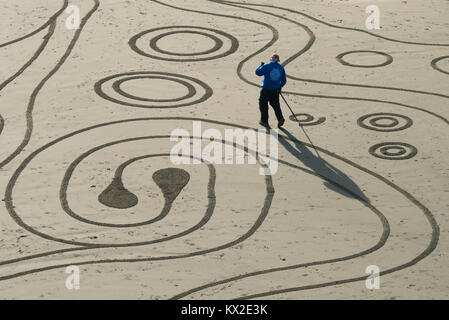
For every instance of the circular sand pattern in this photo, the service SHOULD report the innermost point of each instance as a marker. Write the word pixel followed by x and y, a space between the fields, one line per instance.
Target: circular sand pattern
pixel 99 142
pixel 117 196
pixel 386 122
pixel 388 150
pixel 224 43
pixel 307 119
pixel 393 150
pixel 117 85
pixel 110 88
pixel 116 203
pixel 218 43
pixel 99 138
pixel 389 59
pixel 434 64
pixel 170 180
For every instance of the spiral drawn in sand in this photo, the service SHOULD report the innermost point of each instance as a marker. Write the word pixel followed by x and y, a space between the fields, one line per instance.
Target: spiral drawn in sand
pixel 434 64
pixel 393 150
pixel 119 210
pixel 170 180
pixel 189 90
pixel 340 58
pixel 385 122
pixel 149 43
pixel 306 119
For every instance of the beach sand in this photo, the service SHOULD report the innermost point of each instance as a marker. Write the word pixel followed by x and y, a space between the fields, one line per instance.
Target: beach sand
pixel 86 116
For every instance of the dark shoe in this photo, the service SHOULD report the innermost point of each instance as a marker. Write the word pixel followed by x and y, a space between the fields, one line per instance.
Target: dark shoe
pixel 263 123
pixel 281 123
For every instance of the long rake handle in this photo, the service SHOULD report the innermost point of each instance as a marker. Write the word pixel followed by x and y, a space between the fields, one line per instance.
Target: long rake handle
pixel 300 125
pixel 289 107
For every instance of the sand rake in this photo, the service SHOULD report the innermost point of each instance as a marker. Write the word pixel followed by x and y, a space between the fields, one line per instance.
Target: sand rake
pixel 299 123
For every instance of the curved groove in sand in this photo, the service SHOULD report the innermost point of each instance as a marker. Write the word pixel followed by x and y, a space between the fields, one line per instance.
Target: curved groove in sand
pixel 45 25
pixel 31 103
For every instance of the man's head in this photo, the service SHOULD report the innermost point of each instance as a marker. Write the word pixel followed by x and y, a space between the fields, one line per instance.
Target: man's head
pixel 274 57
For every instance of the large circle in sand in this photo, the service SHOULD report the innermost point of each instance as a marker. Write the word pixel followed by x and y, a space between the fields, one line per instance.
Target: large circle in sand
pixel 388 58
pixel 148 43
pixel 112 88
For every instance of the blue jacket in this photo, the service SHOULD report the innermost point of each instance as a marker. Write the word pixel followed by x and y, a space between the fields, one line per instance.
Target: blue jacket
pixel 274 75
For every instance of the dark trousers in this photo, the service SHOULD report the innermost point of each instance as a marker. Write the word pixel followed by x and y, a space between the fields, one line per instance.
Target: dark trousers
pixel 271 96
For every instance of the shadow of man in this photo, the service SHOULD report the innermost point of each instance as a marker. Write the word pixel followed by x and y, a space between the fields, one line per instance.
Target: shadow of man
pixel 335 179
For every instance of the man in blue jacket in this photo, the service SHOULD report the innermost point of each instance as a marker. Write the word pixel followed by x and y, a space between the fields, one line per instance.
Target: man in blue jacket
pixel 273 81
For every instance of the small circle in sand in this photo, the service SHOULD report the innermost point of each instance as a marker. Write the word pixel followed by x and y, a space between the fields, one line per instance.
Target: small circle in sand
pixel 434 64
pixel 184 43
pixel 362 55
pixel 306 119
pixel 384 121
pixel 133 89
pixel 393 150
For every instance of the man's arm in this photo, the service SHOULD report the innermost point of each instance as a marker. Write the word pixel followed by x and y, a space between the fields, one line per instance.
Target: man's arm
pixel 283 78
pixel 261 70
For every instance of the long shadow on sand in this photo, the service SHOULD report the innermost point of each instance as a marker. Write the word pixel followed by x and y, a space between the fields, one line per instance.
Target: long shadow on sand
pixel 321 167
